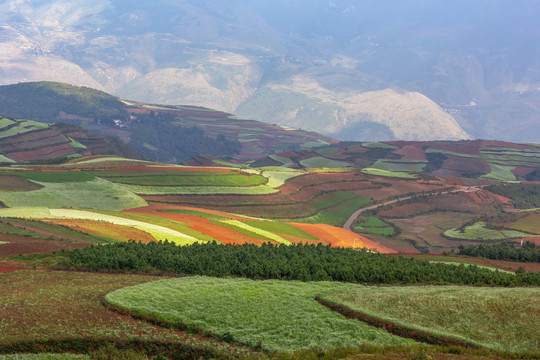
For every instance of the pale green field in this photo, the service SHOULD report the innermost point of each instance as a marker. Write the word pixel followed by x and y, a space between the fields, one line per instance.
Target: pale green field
pixel 500 172
pixel 278 315
pixel 322 162
pixel 95 194
pixel 258 231
pixel 395 174
pixel 157 231
pixel 275 180
pixel 497 318
pixel 479 232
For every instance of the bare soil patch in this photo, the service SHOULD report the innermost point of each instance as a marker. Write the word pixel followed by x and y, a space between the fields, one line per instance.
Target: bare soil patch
pixel 17 183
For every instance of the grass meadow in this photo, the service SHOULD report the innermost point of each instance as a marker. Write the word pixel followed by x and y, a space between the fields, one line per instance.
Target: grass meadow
pixel 274 315
pixel 496 318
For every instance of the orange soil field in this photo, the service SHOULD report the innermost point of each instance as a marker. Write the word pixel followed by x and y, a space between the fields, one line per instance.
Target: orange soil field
pixel 339 237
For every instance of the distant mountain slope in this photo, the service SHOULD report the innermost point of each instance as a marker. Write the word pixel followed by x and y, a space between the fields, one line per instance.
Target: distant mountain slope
pixel 476 61
pixel 26 140
pixel 495 160
pixel 159 132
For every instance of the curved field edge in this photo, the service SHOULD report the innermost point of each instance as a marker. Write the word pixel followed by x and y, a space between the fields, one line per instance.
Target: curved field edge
pixel 492 318
pixel 158 232
pixel 52 311
pixel 272 315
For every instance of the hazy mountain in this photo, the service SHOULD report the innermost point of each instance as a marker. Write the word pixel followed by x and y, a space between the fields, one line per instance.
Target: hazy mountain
pixel 356 70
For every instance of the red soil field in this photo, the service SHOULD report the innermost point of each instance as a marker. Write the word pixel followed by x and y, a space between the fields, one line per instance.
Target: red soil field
pixel 522 171
pixel 29 245
pixel 535 240
pixel 16 183
pixel 413 151
pixel 339 237
pixel 486 197
pixel 457 163
pixel 11 266
pixel 43 153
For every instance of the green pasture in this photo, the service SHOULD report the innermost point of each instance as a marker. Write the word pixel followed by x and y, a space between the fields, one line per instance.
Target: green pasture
pixel 21 127
pixel 4 159
pixel 374 225
pixel 283 160
pixel 500 172
pixel 95 194
pixel 335 208
pixel 386 173
pixel 53 176
pixel 497 318
pixel 479 232
pixel 327 151
pixel 208 179
pixel 201 190
pixel 399 165
pixel 379 145
pixel 276 315
pixel 322 162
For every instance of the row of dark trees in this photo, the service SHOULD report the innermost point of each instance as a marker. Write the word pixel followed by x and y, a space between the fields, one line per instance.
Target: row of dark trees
pixel 529 252
pixel 525 196
pixel 297 262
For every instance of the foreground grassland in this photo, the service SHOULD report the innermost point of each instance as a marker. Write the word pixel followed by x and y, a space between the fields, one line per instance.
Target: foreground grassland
pixel 274 315
pixel 496 318
pixel 36 306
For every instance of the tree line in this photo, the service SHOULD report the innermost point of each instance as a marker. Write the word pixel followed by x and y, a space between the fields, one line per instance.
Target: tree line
pixel 296 262
pixel 529 252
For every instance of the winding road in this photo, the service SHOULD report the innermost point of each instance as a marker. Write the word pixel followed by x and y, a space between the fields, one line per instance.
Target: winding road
pixel 357 213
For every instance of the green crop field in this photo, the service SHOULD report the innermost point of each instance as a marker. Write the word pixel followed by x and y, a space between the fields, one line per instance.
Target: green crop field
pixel 386 173
pixel 479 232
pixel 374 225
pixel 497 318
pixel 322 162
pixel 400 166
pixel 276 315
pixel 53 176
pixel 208 179
pixel 500 172
pixel 338 208
pixel 201 190
pixel 22 126
pixel 96 194
pixel 280 228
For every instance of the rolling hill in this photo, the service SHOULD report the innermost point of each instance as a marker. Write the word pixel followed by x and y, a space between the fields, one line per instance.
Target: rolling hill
pixel 160 132
pixel 252 58
pixel 26 140
pixel 488 159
